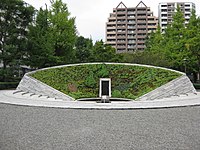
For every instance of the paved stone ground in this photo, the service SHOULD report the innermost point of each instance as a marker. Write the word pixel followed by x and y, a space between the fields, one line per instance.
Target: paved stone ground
pixel 35 128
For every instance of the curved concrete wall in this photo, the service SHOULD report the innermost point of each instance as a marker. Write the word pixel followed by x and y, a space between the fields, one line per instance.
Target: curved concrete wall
pixel 179 86
pixel 32 85
pixel 176 87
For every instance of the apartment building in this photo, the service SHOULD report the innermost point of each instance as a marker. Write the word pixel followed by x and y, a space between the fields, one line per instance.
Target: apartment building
pixel 166 11
pixel 128 27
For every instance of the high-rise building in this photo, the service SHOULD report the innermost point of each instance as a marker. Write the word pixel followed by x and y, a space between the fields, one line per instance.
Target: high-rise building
pixel 127 28
pixel 166 11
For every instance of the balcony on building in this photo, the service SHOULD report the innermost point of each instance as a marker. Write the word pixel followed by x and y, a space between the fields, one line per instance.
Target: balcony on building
pixel 121 41
pixel 111 36
pixel 111 27
pixel 121 36
pixel 131 21
pixel 109 32
pixel 120 12
pixel 131 26
pixel 121 26
pixel 121 16
pixel 164 6
pixel 131 37
pixel 131 46
pixel 131 16
pixel 131 41
pixel 131 13
pixel 110 41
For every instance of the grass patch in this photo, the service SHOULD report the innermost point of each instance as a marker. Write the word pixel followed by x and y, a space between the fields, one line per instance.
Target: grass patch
pixel 82 81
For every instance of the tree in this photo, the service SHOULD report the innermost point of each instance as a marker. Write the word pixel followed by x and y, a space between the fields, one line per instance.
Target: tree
pixel 154 58
pixel 105 53
pixel 52 37
pixel 84 48
pixel 14 20
pixel 174 42
pixel 171 44
pixel 40 48
pixel 192 42
pixel 64 31
pixel 154 41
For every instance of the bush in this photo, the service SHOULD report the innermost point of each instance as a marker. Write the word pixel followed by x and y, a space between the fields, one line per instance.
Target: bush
pixel 116 93
pixel 90 81
pixel 196 85
pixel 8 85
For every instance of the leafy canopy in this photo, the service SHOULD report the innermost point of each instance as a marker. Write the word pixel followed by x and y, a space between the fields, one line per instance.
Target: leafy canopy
pixel 15 16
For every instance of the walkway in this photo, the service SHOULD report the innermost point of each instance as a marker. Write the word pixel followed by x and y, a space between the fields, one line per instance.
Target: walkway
pixel 28 99
pixel 40 128
pixel 98 126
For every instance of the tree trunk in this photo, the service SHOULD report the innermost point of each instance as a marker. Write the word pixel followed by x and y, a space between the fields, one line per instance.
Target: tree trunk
pixel 4 70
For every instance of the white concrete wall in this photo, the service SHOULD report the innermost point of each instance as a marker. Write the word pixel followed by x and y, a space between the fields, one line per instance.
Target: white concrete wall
pixel 176 87
pixel 32 85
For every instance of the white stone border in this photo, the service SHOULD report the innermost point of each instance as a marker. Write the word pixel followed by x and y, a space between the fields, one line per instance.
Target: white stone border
pixel 96 63
pixel 181 85
pixel 7 97
pixel 31 85
pixel 176 87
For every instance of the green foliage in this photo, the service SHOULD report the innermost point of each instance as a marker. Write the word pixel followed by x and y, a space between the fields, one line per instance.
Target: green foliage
pixel 116 93
pixel 15 17
pixel 83 49
pixel 104 53
pixel 192 37
pixel 196 85
pixel 90 81
pixel 52 38
pixel 41 46
pixel 103 72
pixel 176 44
pixel 127 81
pixel 155 58
pixel 8 85
pixel 63 29
pixel 154 41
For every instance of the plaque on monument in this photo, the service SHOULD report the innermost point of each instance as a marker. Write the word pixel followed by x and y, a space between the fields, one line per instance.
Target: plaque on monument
pixel 105 87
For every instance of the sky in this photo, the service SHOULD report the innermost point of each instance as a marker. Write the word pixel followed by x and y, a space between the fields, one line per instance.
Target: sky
pixel 92 15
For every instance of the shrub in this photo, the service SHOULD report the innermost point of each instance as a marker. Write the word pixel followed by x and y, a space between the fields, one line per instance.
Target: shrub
pixel 196 85
pixel 116 93
pixel 8 85
pixel 90 81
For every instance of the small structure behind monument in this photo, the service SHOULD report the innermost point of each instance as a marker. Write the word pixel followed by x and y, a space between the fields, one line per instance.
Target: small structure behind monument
pixel 105 89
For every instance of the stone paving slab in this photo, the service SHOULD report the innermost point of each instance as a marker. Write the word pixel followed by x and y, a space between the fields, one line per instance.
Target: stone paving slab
pixel 27 100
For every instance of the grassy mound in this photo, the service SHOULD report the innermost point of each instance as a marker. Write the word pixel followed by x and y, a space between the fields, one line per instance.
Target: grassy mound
pixel 82 81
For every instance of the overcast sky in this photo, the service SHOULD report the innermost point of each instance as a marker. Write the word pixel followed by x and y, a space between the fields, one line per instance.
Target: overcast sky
pixel 91 15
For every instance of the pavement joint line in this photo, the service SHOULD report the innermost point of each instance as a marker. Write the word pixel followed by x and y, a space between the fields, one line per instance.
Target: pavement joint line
pixel 17 91
pixel 25 93
pixel 32 94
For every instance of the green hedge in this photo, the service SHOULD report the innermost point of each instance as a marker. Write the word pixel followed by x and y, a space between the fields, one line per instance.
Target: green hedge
pixel 196 85
pixel 8 85
pixel 82 81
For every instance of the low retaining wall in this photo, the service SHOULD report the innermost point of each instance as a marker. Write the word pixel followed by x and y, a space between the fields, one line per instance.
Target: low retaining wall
pixel 176 87
pixel 31 85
